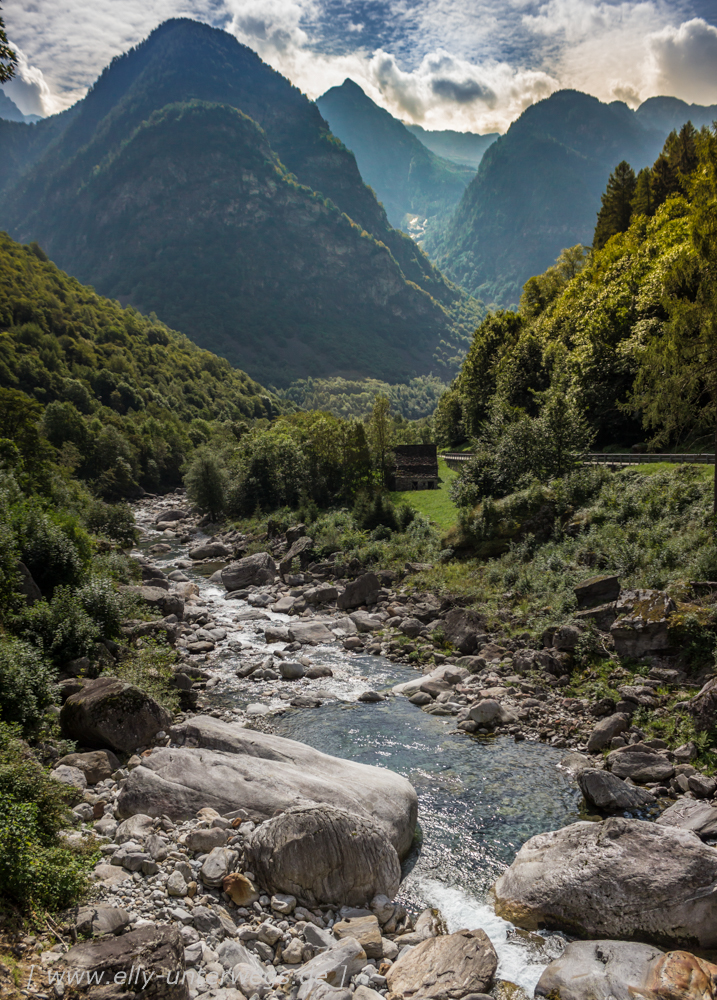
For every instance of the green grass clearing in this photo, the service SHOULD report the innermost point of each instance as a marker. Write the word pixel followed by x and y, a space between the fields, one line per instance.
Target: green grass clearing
pixel 434 504
pixel 650 468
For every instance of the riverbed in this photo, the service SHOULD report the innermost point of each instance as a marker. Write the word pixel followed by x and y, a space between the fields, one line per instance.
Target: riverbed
pixel 480 798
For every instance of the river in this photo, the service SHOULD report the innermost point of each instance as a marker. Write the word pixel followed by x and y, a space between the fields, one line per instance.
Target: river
pixel 480 798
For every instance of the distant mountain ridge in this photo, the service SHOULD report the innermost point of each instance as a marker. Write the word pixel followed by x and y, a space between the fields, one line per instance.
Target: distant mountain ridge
pixel 10 111
pixel 538 187
pixel 466 148
pixel 196 181
pixel 407 177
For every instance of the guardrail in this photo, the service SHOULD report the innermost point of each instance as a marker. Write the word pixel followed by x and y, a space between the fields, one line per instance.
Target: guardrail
pixel 604 458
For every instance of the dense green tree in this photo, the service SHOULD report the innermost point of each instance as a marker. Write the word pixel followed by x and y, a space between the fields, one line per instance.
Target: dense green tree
pixel 206 482
pixel 380 436
pixel 643 201
pixel 8 56
pixel 614 215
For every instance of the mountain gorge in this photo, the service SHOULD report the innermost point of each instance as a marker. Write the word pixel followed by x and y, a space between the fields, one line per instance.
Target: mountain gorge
pixel 195 181
pixel 407 177
pixel 538 187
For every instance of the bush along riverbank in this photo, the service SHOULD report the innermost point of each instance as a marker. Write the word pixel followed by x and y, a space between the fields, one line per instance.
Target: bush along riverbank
pixel 203 825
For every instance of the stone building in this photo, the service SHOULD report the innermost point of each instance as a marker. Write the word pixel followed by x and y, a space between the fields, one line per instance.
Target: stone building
pixel 415 467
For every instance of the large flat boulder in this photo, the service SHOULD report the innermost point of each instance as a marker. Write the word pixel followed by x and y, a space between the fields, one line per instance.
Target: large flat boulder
pixel 463 629
pixel 703 707
pixel 599 970
pixel 97 765
pixel 255 570
pixel 640 763
pixel 606 729
pixel 597 590
pixel 692 814
pixel 622 878
pixel 231 767
pixel 321 854
pixel 108 712
pixel 156 954
pixel 158 598
pixel 447 967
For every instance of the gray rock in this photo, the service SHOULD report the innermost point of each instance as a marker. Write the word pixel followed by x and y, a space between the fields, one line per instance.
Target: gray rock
pixel 597 590
pixel 210 550
pixel 99 919
pixel 566 638
pixel 702 786
pixel 71 776
pixel 642 623
pixel 323 594
pixel 310 633
pixel 301 549
pixel 622 878
pixel 703 707
pixel 640 763
pixel 176 885
pixel 365 622
pixel 233 953
pixel 220 862
pixel 610 793
pixel 155 950
pixel 365 930
pixel 363 590
pixel 28 588
pixel 96 765
pixel 291 671
pixel 202 841
pixel 449 967
pixel 606 730
pixel 335 966
pixel 283 903
pixel 233 766
pixel 321 854
pixel 691 814
pixel 411 627
pixel 463 629
pixel 137 827
pixel 110 712
pixel 490 712
pixel 256 570
pixel 599 970
pixel 576 762
pixel 317 937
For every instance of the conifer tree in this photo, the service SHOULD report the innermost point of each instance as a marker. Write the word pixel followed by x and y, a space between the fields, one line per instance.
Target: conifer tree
pixel 643 202
pixel 8 58
pixel 614 216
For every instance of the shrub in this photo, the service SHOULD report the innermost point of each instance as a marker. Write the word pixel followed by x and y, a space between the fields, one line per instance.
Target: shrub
pixel 150 670
pixel 105 606
pixel 61 629
pixel 115 521
pixel 34 874
pixel 26 683
pixel 55 548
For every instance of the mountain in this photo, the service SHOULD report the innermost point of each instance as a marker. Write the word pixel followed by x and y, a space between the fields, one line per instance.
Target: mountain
pixel 465 148
pixel 667 113
pixel 538 190
pixel 195 181
pixel 129 395
pixel 409 179
pixel 10 111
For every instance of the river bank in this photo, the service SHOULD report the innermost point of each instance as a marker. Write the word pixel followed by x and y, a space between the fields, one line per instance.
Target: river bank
pixel 327 676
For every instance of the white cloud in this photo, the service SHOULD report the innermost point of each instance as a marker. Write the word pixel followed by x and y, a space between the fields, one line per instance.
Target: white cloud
pixel 685 61
pixel 29 89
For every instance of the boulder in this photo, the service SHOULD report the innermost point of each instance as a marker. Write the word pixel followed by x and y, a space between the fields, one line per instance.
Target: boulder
pixel 411 627
pixel 490 713
pixel 301 549
pixel 642 623
pixel 606 730
pixel 218 864
pixel 691 814
pixel 448 967
pixel 599 970
pixel 463 629
pixel 681 976
pixel 310 633
pixel 321 854
pixel 566 638
pixel 156 597
pixel 703 707
pixel 640 763
pixel 335 966
pixel 365 622
pixel 99 919
pixel 96 765
pixel 367 932
pixel 108 712
pixel 701 785
pixel 291 671
pixel 155 953
pixel 602 616
pixel 607 792
pixel 597 590
pixel 255 570
pixel 622 878
pixel 71 776
pixel 210 550
pixel 363 590
pixel 323 594
pixel 28 588
pixel 235 767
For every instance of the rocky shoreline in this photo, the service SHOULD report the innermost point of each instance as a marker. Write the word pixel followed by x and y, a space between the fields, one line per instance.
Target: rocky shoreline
pixel 202 829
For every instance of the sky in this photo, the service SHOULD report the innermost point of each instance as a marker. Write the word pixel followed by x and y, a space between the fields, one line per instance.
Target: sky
pixel 471 65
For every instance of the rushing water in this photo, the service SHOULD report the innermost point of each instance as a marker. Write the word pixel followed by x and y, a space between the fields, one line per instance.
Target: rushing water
pixel 480 799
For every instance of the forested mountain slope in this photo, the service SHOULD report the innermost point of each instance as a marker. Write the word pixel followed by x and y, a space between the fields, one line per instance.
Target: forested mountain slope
pixel 126 397
pixel 82 190
pixel 407 177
